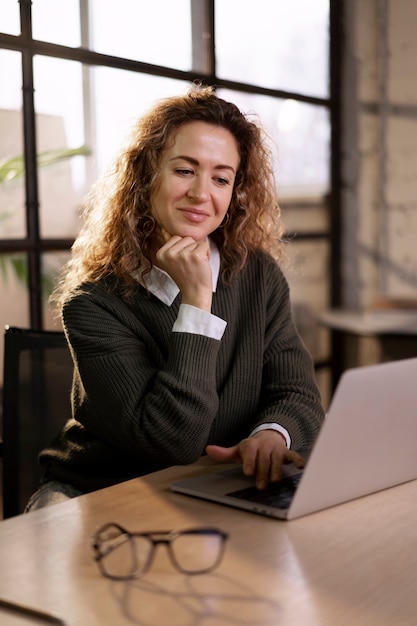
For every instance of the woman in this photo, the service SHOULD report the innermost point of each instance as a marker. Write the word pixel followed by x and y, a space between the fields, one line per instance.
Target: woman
pixel 177 313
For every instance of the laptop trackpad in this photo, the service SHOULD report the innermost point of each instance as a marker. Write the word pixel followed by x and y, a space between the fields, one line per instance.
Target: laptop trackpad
pixel 278 495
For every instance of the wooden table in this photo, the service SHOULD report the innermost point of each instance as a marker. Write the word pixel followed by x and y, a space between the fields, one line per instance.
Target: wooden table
pixel 368 337
pixel 352 565
pixel 372 323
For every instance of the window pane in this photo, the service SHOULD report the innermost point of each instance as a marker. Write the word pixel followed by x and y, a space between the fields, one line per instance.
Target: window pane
pixel 57 22
pixel 10 18
pixel 69 119
pixel 300 141
pixel 157 32
pixel 60 132
pixel 116 113
pixel 14 309
pixel 51 268
pixel 306 215
pixel 12 211
pixel 276 44
pixel 307 271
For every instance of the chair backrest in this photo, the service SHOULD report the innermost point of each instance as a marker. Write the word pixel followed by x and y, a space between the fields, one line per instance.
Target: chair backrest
pixel 37 382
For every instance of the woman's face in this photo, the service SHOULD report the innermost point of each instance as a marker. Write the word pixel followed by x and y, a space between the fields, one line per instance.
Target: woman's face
pixel 196 182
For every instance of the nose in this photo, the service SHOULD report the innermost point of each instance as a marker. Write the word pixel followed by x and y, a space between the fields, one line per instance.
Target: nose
pixel 198 189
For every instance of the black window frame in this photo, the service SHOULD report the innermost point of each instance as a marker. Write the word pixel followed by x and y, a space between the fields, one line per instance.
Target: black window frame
pixel 202 20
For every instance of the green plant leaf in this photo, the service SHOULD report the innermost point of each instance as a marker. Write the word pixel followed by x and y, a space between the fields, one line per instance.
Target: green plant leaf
pixel 14 167
pixel 11 169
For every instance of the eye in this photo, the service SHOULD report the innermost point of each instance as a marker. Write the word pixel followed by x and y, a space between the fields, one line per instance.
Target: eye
pixel 184 171
pixel 222 181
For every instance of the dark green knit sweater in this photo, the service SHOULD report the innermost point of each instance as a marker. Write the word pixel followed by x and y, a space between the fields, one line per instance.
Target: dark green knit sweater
pixel 145 397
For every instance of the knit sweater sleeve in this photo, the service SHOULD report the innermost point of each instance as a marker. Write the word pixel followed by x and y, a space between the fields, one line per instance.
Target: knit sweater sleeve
pixel 139 387
pixel 289 395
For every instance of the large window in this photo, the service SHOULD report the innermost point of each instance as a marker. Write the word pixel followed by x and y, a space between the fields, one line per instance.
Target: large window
pixel 75 74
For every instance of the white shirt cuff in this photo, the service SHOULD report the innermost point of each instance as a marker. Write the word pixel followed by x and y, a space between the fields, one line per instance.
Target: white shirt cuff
pixel 193 320
pixel 277 427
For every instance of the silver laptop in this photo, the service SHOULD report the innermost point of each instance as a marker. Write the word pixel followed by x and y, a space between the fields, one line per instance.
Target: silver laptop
pixel 367 443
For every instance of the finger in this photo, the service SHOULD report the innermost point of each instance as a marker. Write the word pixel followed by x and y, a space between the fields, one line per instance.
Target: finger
pixel 165 235
pixel 203 248
pixel 293 457
pixel 191 250
pixel 276 467
pixel 175 243
pixel 273 471
pixel 249 452
pixel 162 236
pixel 263 469
pixel 299 462
pixel 219 453
pixel 172 248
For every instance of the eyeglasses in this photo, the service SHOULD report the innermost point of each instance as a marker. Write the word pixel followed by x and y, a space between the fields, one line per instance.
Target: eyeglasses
pixel 123 555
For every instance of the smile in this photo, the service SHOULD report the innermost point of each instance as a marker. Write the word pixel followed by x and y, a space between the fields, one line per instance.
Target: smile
pixel 194 215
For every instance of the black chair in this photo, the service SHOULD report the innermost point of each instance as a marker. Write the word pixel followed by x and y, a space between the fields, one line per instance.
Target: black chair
pixel 36 402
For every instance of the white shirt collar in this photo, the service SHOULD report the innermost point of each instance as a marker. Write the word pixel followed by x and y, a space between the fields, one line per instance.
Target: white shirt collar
pixel 161 285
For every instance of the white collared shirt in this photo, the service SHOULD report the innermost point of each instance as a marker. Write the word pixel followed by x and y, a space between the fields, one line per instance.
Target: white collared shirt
pixel 193 320
pixel 190 318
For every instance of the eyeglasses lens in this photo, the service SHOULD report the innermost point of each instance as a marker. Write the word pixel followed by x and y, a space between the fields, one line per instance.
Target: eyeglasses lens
pixel 125 556
pixel 197 552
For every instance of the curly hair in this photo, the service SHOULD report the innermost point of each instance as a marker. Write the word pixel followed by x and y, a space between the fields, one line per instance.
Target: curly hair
pixel 119 229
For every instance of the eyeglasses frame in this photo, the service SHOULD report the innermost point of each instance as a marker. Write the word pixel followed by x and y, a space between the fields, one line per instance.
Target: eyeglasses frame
pixel 156 537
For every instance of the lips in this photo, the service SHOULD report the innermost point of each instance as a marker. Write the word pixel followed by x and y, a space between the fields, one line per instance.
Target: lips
pixel 194 215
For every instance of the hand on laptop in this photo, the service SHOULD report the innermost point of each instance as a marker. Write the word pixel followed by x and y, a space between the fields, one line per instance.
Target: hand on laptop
pixel 261 455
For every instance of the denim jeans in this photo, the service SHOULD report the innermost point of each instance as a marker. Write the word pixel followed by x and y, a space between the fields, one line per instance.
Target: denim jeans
pixel 52 492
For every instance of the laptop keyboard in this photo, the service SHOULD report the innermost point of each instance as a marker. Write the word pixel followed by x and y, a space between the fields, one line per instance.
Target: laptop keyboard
pixel 278 495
